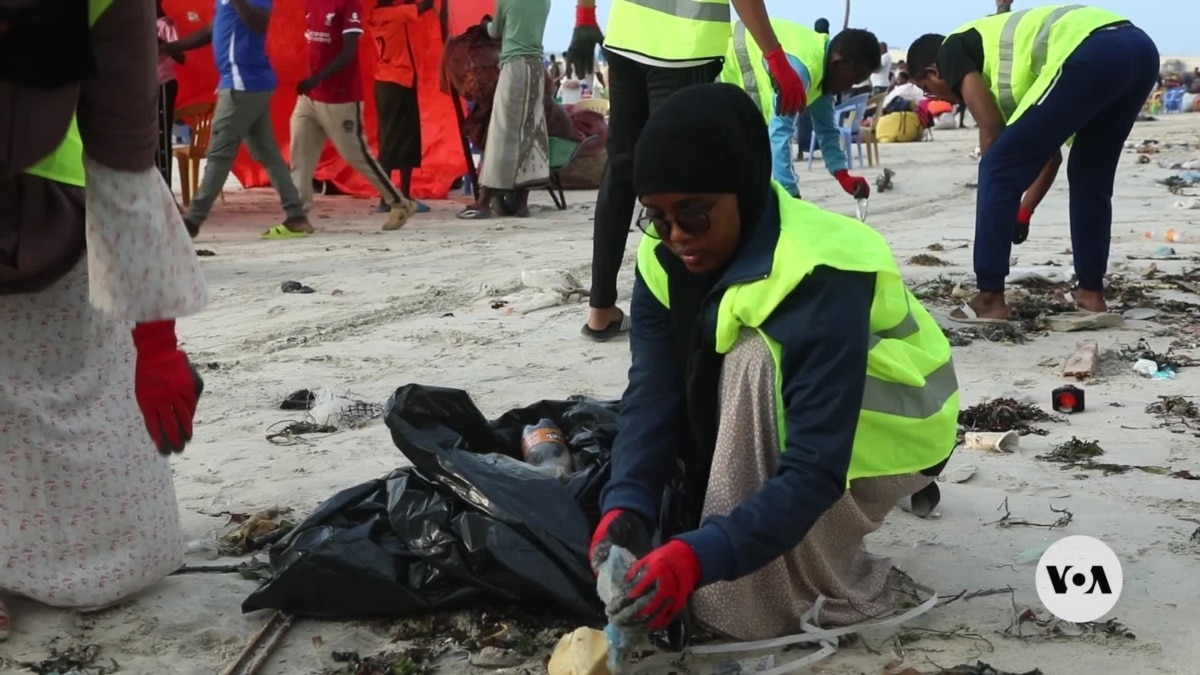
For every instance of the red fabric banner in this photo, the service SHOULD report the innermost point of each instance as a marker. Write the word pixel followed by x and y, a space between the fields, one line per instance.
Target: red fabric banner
pixel 442 158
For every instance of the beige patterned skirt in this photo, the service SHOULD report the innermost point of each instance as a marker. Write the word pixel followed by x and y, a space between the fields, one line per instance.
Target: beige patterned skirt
pixel 518 145
pixel 830 561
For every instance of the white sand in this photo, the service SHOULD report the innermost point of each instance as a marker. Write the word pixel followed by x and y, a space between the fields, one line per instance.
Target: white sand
pixel 414 306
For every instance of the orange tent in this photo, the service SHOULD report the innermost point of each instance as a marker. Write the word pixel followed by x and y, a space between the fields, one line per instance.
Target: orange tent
pixel 442 157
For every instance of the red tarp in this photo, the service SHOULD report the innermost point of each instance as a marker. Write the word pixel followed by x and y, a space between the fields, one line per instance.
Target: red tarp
pixel 442 158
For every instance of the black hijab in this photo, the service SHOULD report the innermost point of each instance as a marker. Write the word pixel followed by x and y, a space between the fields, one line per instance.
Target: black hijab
pixel 707 138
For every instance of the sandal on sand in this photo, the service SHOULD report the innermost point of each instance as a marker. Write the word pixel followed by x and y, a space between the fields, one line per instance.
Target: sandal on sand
pixel 5 622
pixel 971 316
pixel 473 213
pixel 615 329
pixel 399 213
pixel 282 232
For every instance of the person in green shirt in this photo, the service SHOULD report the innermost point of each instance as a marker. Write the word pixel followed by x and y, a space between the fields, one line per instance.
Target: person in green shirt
pixel 517 153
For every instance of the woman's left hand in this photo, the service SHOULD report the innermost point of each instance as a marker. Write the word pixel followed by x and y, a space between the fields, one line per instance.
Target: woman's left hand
pixel 660 585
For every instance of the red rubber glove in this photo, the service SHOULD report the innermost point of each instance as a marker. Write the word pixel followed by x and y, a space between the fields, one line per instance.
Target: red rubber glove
pixel 1024 215
pixel 792 97
pixel 165 385
pixel 663 581
pixel 581 54
pixel 855 186
pixel 618 528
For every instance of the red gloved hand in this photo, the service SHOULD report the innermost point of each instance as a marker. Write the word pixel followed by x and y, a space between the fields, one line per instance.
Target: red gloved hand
pixel 792 97
pixel 663 581
pixel 581 53
pixel 618 528
pixel 165 385
pixel 1024 215
pixel 855 186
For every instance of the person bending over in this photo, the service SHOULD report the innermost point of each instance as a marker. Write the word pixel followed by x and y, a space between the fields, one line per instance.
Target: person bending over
pixel 1034 80
pixel 780 360
pixel 827 67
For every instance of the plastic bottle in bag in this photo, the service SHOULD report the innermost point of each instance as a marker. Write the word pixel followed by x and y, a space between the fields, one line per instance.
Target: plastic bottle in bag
pixel 543 447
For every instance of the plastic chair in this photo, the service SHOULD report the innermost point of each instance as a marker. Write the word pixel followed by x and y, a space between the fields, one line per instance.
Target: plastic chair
pixel 1172 101
pixel 198 117
pixel 849 116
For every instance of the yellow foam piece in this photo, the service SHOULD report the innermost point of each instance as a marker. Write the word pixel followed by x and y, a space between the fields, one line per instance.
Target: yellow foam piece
pixel 583 652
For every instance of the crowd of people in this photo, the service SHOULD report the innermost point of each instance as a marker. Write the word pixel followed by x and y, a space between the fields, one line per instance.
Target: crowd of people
pixel 750 305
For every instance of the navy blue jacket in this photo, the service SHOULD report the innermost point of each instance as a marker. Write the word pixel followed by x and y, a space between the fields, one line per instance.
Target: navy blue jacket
pixel 823 327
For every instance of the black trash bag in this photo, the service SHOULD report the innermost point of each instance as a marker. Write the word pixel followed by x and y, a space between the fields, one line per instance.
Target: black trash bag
pixel 468 524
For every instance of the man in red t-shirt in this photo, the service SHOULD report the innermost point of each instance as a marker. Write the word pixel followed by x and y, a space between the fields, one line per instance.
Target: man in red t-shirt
pixel 330 106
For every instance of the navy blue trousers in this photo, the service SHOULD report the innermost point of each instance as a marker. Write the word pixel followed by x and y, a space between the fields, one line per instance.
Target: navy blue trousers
pixel 1097 97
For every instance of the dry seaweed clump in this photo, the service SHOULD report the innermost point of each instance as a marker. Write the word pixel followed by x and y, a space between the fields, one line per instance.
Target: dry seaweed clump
pixel 1005 333
pixel 1176 411
pixel 1005 414
pixel 926 260
pixel 1081 455
pixel 981 668
pixel 80 658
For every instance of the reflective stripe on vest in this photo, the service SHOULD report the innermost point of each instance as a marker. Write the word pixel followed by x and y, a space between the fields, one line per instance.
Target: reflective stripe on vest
pixel 65 163
pixel 909 410
pixel 1041 47
pixel 694 10
pixel 670 30
pixel 742 55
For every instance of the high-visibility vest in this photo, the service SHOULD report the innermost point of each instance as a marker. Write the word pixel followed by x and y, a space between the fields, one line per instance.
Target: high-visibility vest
pixel 744 61
pixel 65 163
pixel 909 417
pixel 1024 51
pixel 670 30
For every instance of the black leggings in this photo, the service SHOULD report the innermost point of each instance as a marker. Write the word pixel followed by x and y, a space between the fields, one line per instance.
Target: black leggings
pixel 166 122
pixel 635 91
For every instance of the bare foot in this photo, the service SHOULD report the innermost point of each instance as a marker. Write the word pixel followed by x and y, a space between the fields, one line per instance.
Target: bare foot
pixel 300 224
pixel 1090 301
pixel 987 305
pixel 599 319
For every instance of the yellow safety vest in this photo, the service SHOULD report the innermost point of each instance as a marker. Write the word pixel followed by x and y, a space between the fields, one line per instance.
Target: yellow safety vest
pixel 1024 51
pixel 670 30
pixel 909 418
pixel 65 163
pixel 744 61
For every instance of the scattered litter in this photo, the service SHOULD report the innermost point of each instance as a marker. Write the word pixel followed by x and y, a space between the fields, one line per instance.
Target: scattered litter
pixel 1068 399
pixel 295 287
pixel 926 260
pixel 301 399
pixel 1028 626
pixel 1140 314
pixel 958 474
pixel 992 441
pixel 1189 204
pixel 204 253
pixel 541 289
pixel 883 182
pixel 1005 414
pixel 582 652
pixel 611 585
pixel 252 532
pixel 1064 518
pixel 79 659
pixel 1148 362
pixel 1176 411
pixel 981 668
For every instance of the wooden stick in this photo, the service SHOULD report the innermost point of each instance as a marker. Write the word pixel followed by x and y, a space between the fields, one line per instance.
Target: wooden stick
pixel 260 647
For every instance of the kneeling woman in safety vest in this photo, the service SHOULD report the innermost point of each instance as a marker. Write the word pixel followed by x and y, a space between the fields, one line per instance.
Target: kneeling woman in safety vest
pixel 778 357
pixel 87 506
pixel 1041 76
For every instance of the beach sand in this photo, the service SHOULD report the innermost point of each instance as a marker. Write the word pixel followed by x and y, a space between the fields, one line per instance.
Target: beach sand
pixel 416 306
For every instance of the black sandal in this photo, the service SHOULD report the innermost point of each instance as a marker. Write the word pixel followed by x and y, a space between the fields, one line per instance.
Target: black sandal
pixel 615 329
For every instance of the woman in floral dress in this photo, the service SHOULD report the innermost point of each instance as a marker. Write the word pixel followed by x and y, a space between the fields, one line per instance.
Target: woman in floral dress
pixel 88 358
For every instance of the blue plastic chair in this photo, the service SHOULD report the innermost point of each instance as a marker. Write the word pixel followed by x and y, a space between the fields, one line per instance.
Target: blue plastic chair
pixel 1173 100
pixel 850 134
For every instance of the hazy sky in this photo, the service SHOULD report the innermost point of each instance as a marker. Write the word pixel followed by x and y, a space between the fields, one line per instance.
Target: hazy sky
pixel 1174 24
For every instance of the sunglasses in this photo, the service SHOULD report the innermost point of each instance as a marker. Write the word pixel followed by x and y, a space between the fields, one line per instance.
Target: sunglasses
pixel 692 222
